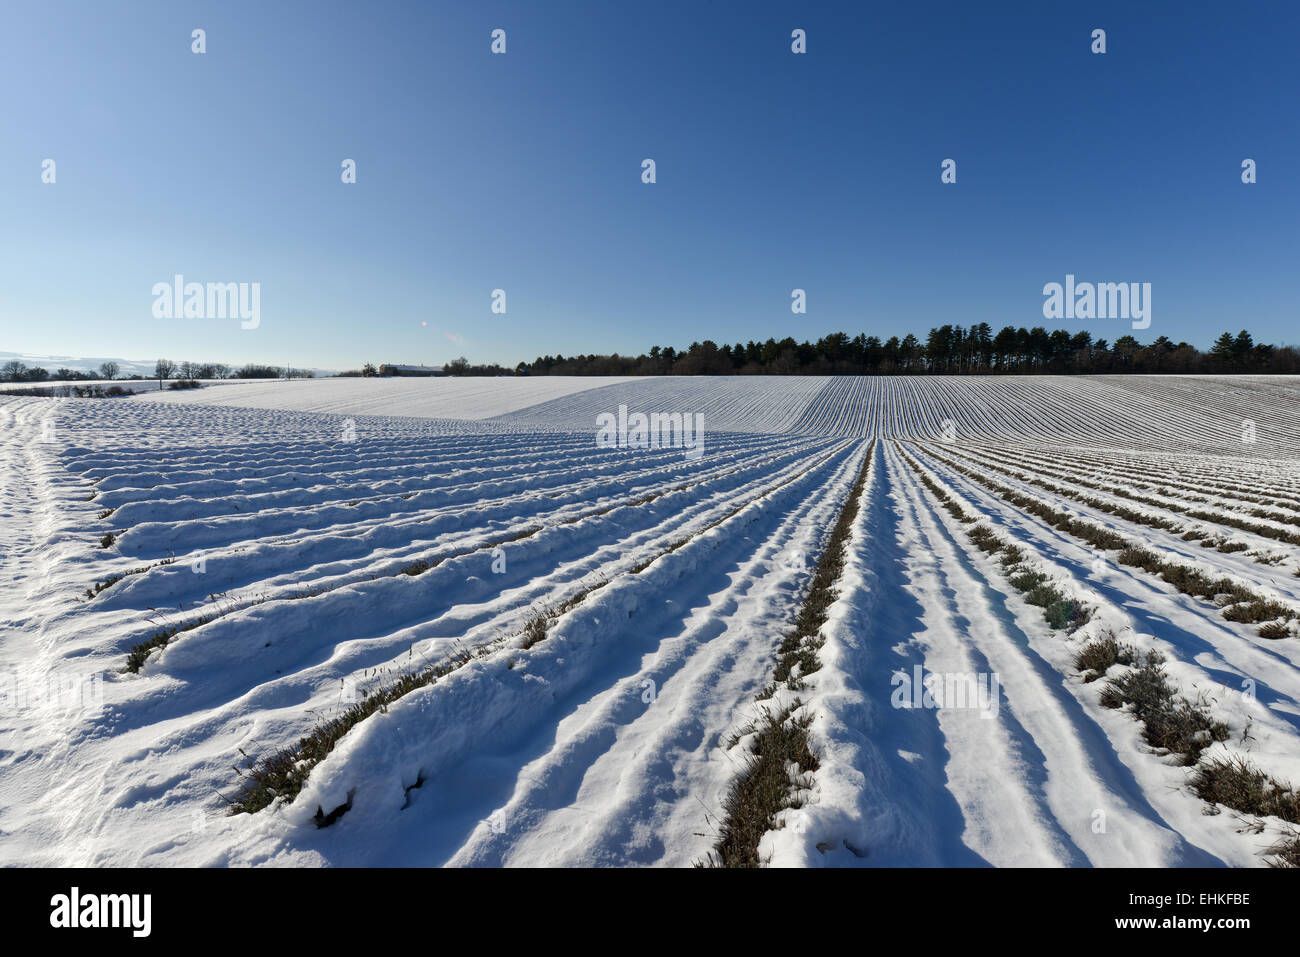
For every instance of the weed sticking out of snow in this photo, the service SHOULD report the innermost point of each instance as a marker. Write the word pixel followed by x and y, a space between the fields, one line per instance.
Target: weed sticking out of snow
pixel 534 631
pixel 416 568
pixel 1285 853
pixel 1170 723
pixel 1101 654
pixel 1275 629
pixel 1235 783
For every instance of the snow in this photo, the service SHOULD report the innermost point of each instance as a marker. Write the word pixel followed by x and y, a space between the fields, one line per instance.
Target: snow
pixel 273 520
pixel 463 398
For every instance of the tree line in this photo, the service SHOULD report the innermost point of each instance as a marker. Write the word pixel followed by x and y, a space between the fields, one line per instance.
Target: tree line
pixel 15 371
pixel 191 371
pixel 456 367
pixel 948 350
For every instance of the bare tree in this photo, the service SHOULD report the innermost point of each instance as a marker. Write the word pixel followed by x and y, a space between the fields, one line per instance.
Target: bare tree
pixel 108 370
pixel 164 369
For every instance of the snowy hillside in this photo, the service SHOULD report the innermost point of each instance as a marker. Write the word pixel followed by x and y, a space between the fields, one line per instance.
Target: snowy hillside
pixel 1166 411
pixel 438 398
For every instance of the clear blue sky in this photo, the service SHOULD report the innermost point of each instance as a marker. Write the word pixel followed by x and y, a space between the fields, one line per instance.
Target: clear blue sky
pixel 523 172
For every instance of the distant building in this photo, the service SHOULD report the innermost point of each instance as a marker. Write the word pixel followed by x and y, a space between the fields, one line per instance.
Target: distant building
pixel 388 370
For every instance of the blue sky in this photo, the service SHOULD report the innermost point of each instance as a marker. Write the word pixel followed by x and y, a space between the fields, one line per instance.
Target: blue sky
pixel 523 172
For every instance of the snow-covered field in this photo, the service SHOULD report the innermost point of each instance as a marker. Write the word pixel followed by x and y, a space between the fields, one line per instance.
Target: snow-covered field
pixel 275 552
pixel 450 398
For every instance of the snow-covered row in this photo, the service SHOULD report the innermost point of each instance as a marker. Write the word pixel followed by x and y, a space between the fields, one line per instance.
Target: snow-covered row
pixel 1158 513
pixel 1233 481
pixel 1275 579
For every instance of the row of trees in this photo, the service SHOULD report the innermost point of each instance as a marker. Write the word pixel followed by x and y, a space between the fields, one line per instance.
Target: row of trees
pixel 462 366
pixel 456 367
pixel 948 349
pixel 166 369
pixel 15 371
